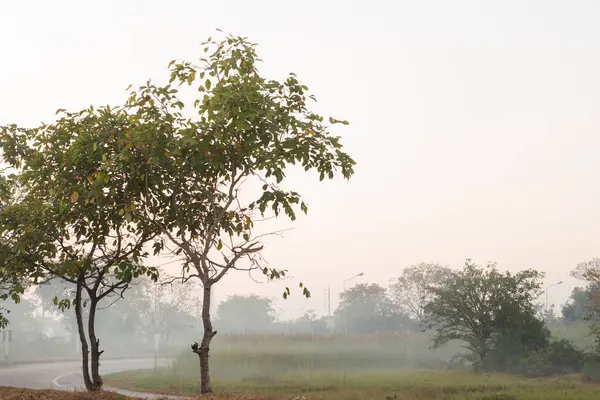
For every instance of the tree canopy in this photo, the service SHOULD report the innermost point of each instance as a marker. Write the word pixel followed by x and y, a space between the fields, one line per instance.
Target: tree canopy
pixel 207 180
pixel 476 303
pixel 100 184
pixel 72 219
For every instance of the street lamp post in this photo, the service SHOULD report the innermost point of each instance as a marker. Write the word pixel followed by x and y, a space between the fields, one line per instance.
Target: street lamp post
pixel 557 283
pixel 344 291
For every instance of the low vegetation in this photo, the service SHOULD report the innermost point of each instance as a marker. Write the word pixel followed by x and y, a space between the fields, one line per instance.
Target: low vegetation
pixel 366 366
pixel 389 385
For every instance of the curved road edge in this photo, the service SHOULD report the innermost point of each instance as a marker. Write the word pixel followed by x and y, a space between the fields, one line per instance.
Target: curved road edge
pixel 56 382
pixel 67 375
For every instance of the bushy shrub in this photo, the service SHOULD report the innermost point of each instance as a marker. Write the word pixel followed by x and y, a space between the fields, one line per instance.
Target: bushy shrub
pixel 559 357
pixel 591 368
pixel 521 335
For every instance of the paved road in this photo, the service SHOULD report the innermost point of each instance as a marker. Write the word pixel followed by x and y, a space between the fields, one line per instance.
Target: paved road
pixel 66 375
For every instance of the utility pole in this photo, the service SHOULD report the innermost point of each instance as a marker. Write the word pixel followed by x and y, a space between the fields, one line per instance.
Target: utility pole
pixel 346 327
pixel 6 339
pixel 344 291
pixel 329 305
pixel 546 308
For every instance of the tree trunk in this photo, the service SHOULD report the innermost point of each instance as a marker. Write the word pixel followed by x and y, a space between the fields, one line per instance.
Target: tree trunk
pixel 204 348
pixel 483 352
pixel 82 338
pixel 95 344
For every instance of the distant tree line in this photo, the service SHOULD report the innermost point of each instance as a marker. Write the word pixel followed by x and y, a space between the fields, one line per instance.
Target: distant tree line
pixel 493 314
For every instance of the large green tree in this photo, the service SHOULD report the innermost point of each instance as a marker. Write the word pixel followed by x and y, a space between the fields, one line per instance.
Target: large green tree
pixel 476 304
pixel 211 178
pixel 73 219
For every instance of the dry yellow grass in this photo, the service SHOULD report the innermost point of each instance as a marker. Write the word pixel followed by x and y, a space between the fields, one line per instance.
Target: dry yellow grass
pixel 10 393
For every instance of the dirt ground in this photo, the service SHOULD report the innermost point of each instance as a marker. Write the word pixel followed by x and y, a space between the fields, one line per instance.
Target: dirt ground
pixel 10 393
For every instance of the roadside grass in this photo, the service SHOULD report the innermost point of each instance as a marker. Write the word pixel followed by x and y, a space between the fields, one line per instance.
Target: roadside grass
pixel 383 385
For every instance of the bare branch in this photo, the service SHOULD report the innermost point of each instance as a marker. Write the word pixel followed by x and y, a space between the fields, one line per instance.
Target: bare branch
pixel 183 279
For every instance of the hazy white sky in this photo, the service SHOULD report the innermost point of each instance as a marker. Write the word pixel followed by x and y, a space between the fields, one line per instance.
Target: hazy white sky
pixel 474 123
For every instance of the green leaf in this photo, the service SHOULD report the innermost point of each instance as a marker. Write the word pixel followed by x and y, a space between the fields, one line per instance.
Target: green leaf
pixel 303 207
pixel 191 77
pixel 208 84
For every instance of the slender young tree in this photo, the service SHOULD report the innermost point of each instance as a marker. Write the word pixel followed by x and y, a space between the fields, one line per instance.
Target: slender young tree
pixel 210 179
pixel 74 220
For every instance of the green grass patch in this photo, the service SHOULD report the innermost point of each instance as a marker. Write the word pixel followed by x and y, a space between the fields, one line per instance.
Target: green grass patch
pixel 375 367
pixel 384 385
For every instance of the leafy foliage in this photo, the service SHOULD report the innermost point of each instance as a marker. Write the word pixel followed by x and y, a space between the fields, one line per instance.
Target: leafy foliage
pixel 476 303
pixel 589 271
pixel 591 368
pixel 559 357
pixel 580 306
pixel 12 283
pixel 247 131
pixel 192 172
pixel 73 221
pixel 74 217
pixel 520 334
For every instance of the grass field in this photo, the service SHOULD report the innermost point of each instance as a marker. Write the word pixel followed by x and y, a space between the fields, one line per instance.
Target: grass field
pixel 383 385
pixel 385 367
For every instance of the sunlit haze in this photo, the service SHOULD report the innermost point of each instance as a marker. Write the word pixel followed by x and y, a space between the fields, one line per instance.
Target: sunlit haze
pixel 474 124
